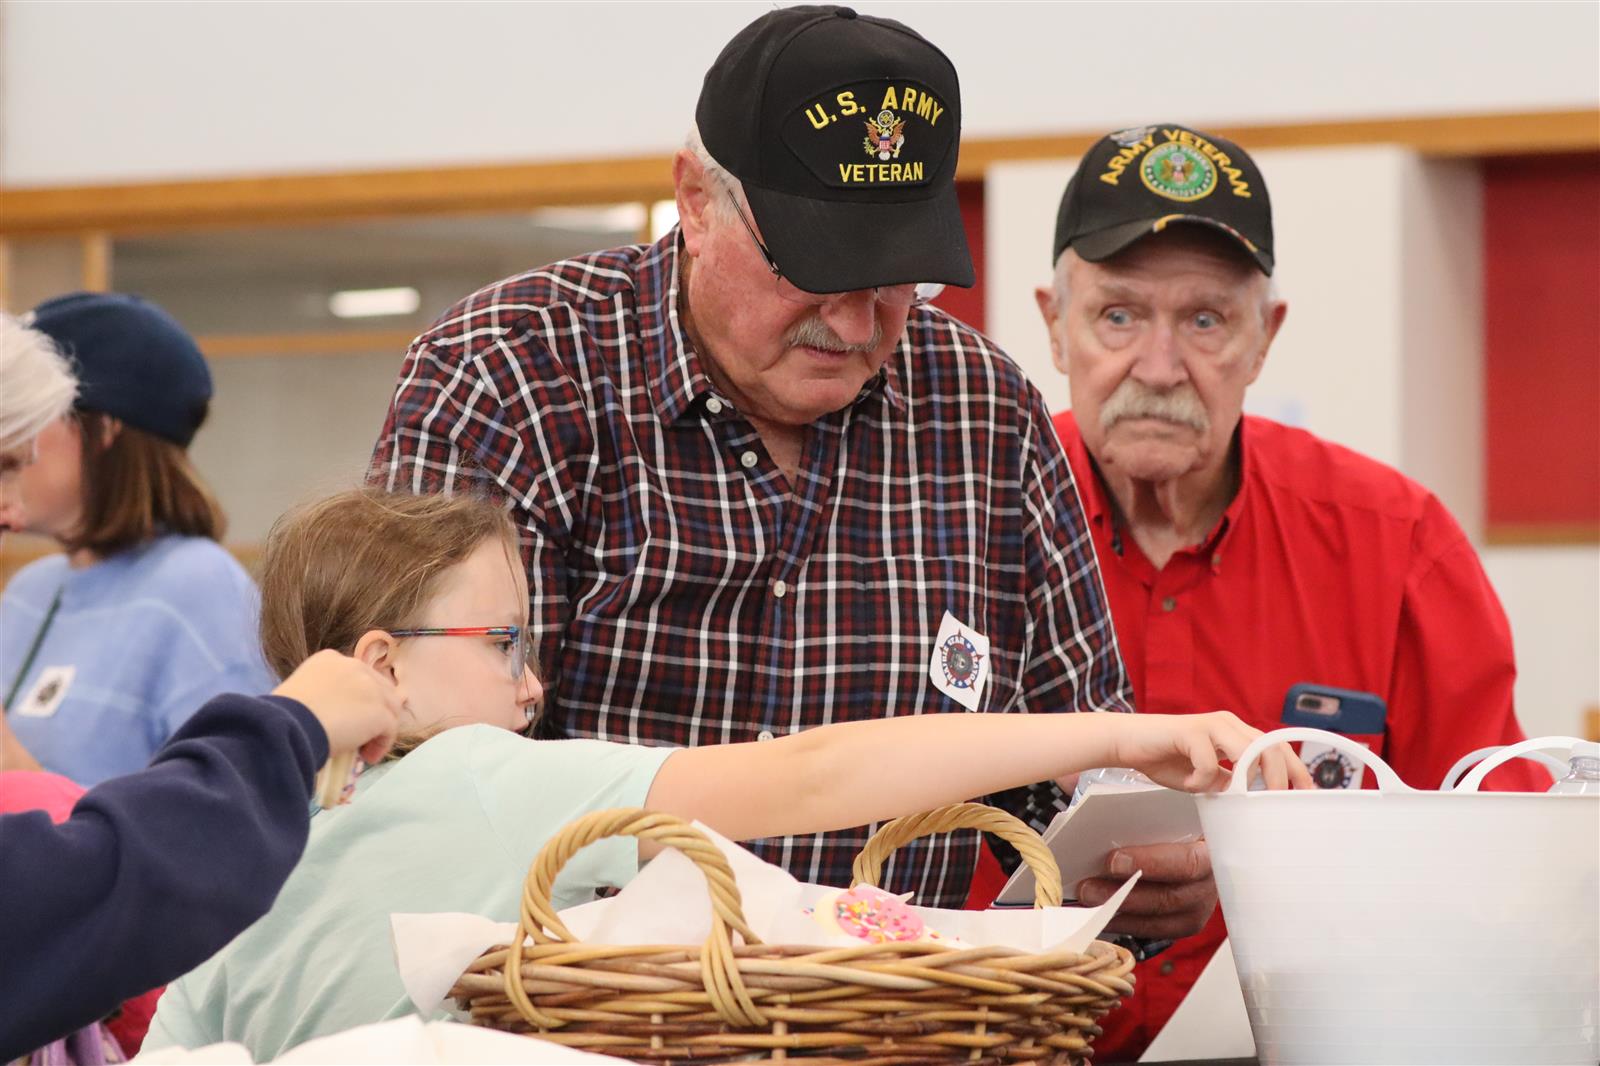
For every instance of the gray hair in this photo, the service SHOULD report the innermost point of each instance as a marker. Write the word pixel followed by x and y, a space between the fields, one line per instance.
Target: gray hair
pixel 1063 289
pixel 36 383
pixel 717 176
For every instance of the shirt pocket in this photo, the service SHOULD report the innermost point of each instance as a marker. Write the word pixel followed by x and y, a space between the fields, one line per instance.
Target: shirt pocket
pixel 886 614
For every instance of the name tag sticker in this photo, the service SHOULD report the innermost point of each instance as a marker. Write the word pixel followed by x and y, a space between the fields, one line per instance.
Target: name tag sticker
pixel 44 698
pixel 1331 768
pixel 960 664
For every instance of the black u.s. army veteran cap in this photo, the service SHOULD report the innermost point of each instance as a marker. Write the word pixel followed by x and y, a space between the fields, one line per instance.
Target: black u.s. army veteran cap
pixel 844 131
pixel 1138 181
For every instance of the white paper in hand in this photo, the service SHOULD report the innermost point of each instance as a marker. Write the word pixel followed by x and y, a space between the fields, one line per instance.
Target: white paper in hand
pixel 1102 822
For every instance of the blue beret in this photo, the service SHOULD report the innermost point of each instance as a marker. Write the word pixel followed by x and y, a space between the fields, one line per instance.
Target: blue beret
pixel 132 359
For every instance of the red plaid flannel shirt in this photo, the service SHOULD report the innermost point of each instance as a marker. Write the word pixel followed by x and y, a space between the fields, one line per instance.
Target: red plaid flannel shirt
pixel 682 594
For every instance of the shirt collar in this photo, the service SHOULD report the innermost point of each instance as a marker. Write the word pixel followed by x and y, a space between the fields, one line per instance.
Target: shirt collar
pixel 677 377
pixel 1091 490
pixel 887 379
pixel 1235 509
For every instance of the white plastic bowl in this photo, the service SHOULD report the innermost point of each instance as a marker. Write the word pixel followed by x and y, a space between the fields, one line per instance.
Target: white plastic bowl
pixel 1398 926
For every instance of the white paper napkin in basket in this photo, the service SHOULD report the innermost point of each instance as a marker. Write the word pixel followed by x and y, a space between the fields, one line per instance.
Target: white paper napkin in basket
pixel 402 1040
pixel 668 903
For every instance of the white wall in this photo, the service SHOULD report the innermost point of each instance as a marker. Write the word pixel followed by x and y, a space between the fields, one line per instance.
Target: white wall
pixel 286 430
pixel 1552 597
pixel 144 90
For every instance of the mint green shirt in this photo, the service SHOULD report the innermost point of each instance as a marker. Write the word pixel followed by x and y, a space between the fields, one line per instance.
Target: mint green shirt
pixel 452 826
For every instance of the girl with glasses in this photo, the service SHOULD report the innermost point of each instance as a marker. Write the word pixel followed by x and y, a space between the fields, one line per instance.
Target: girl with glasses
pixel 431 592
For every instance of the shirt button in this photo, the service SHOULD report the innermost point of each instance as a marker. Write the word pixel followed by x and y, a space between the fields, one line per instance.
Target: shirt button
pixel 780 589
pixel 1169 604
pixel 1167 968
pixel 714 405
pixel 765 734
pixel 748 459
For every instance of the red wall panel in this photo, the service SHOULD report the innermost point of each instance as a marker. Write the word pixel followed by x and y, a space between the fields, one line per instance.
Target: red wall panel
pixel 967 304
pixel 1542 342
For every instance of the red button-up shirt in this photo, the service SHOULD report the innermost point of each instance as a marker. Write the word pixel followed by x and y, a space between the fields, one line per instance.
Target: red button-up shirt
pixel 1327 568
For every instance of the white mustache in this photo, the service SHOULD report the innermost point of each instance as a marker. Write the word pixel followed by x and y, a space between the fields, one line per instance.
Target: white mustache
pixel 815 333
pixel 1131 399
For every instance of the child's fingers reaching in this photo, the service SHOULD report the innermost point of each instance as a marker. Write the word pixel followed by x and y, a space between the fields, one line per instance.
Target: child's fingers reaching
pixel 1299 774
pixel 1278 766
pixel 1230 737
pixel 1202 751
pixel 1281 768
pixel 1272 768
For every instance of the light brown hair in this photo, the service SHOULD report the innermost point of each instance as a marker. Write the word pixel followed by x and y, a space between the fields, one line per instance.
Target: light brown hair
pixel 364 559
pixel 135 486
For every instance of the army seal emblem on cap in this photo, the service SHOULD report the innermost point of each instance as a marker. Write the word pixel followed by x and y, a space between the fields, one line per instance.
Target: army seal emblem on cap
pixel 885 135
pixel 1178 172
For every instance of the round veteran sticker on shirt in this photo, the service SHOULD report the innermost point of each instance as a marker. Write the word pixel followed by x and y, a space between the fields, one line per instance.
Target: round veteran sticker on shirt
pixel 1330 768
pixel 960 662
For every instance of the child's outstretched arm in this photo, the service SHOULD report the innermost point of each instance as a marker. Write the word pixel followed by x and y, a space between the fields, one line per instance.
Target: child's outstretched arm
pixel 849 774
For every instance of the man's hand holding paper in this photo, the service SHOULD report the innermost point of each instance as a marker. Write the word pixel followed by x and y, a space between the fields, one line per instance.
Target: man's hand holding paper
pixel 1174 898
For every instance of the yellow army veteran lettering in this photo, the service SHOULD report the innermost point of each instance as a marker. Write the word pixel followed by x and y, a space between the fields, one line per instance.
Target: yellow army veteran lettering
pixel 885 131
pixel 1183 167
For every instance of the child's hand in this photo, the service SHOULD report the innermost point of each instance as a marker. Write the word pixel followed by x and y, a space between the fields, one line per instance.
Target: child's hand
pixel 1181 750
pixel 358 707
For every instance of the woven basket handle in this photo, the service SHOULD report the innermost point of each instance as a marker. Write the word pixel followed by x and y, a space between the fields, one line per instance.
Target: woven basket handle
pixel 539 917
pixel 719 969
pixel 894 835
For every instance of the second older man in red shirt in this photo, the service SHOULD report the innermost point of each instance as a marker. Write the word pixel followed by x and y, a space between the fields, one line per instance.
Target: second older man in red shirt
pixel 1240 556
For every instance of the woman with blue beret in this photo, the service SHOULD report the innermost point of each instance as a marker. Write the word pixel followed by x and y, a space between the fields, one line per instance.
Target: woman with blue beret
pixel 107 648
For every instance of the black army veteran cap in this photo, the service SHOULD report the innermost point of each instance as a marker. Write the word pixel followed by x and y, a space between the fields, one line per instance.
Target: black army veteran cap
pixel 1138 181
pixel 844 131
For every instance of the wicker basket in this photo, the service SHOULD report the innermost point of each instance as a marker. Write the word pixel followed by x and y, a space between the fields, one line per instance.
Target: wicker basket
pixel 875 1004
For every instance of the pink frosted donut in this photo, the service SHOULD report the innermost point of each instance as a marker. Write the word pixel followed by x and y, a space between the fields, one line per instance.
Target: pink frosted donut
pixel 869 914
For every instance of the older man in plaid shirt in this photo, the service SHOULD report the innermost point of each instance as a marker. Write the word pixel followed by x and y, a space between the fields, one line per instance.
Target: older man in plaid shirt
pixel 763 485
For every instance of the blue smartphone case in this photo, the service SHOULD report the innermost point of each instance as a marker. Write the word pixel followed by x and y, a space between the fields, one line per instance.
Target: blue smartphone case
pixel 1337 710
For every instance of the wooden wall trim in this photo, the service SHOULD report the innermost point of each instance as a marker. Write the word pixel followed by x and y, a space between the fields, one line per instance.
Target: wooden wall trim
pixel 18 550
pixel 178 205
pixel 1543 534
pixel 288 199
pixel 329 342
pixel 1446 137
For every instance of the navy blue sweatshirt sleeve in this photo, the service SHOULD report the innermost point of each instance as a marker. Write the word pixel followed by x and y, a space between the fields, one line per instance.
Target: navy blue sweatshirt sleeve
pixel 155 871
